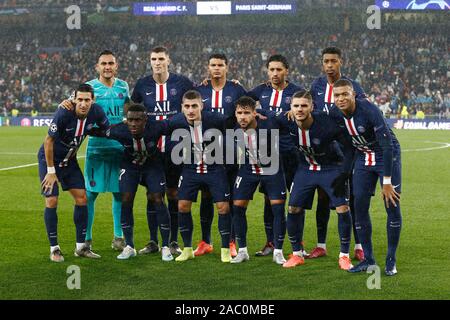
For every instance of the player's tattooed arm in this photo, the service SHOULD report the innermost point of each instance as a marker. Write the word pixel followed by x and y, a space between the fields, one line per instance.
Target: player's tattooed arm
pixel 50 178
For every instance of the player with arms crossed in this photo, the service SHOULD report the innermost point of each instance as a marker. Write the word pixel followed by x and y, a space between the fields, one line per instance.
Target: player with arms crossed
pixel 377 158
pixel 320 164
pixel 218 95
pixel 275 95
pixel 161 94
pixel 322 93
pixel 58 163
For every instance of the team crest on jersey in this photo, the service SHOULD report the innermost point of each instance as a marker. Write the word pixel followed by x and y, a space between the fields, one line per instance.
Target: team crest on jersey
pixel 53 127
pixel 120 95
pixel 228 99
pixel 288 100
pixel 316 141
pixel 173 92
pixel 89 126
pixel 361 129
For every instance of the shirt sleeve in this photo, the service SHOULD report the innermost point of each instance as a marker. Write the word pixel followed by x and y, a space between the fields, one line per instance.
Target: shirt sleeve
pixel 254 93
pixel 101 118
pixel 58 123
pixel 360 94
pixel 136 95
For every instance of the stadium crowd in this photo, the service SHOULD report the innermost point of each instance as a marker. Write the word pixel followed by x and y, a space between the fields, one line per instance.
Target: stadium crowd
pixel 403 64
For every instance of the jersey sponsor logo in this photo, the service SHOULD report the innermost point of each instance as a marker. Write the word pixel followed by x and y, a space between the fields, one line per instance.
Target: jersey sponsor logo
pixel 53 127
pixel 148 93
pixel 204 100
pixel 263 97
pixel 319 93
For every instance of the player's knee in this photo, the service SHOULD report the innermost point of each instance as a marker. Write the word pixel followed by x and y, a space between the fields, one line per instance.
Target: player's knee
pixel 184 206
pixel 275 202
pixel 171 193
pixel 155 198
pixel 81 200
pixel 223 207
pixel 296 210
pixel 127 198
pixel 240 203
pixel 342 209
pixel 51 202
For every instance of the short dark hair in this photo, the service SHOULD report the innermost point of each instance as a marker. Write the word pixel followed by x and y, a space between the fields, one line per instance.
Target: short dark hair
pixel 246 102
pixel 84 87
pixel 332 50
pixel 191 95
pixel 343 83
pixel 137 107
pixel 105 53
pixel 159 49
pixel 278 58
pixel 303 94
pixel 220 56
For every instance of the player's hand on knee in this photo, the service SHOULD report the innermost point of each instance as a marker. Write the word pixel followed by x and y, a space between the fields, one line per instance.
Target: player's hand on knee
pixel 340 184
pixel 49 182
pixel 390 195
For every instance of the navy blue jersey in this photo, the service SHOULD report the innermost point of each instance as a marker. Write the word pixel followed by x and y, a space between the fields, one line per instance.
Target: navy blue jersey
pixel 161 100
pixel 142 151
pixel 322 93
pixel 221 101
pixel 201 146
pixel 371 136
pixel 318 145
pixel 278 101
pixel 258 147
pixel 69 131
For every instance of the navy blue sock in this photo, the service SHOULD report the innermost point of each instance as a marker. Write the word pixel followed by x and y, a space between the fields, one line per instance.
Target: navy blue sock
pixel 51 224
pixel 232 234
pixel 206 218
pixel 279 225
pixel 173 210
pixel 364 226
pixel 345 230
pixel 152 221
pixel 127 221
pixel 163 218
pixel 295 225
pixel 224 222
pixel 80 218
pixel 268 221
pixel 394 227
pixel 322 218
pixel 186 227
pixel 240 225
pixel 352 212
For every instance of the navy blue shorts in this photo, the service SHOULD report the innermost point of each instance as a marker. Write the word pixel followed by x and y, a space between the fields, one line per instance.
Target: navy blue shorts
pixel 215 181
pixel 365 180
pixel 150 176
pixel 246 183
pixel 70 177
pixel 172 171
pixel 289 161
pixel 307 181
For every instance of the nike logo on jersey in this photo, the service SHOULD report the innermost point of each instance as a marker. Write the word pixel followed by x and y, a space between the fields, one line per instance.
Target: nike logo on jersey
pixel 227 194
pixel 148 93
pixel 283 193
pixel 162 183
pixel 70 129
pixel 395 187
pixel 319 93
pixel 264 97
pixel 292 134
pixel 203 100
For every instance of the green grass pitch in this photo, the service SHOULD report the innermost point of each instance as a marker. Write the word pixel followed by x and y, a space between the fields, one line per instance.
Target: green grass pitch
pixel 27 273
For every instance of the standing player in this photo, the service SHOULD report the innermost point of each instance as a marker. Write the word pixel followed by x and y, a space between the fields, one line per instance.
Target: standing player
pixel 320 164
pixel 276 96
pixel 142 162
pixel 322 93
pixel 218 95
pixel 377 158
pixel 252 173
pixel 199 173
pixel 161 94
pixel 58 163
pixel 103 156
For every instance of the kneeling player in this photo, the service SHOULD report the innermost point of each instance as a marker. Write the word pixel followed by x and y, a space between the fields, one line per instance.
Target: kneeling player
pixel 142 163
pixel 253 173
pixel 321 163
pixel 65 135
